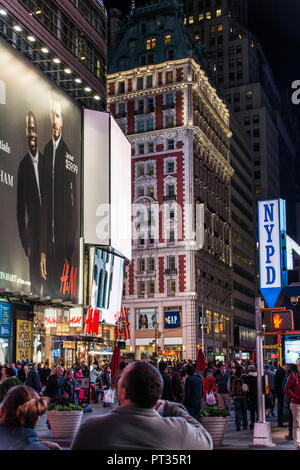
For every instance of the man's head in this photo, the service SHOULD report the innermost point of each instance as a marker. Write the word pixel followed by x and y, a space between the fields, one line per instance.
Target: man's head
pixel 56 117
pixel 59 371
pixel 140 385
pixel 18 365
pixel 163 367
pixel 31 132
pixel 223 370
pixel 190 370
pixel 10 372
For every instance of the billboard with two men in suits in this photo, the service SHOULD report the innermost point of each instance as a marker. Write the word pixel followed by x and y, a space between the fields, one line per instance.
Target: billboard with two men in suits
pixel 40 141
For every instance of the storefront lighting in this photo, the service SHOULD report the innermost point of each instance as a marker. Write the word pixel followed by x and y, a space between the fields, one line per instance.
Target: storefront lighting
pixel 45 50
pixel 3 12
pixel 68 71
pixel 56 60
pixel 88 89
pixel 31 38
pixel 78 80
pixel 17 28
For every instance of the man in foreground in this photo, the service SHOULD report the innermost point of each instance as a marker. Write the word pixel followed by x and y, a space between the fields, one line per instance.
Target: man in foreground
pixel 141 421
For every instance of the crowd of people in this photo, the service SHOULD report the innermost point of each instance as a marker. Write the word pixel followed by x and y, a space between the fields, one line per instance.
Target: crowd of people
pixel 225 385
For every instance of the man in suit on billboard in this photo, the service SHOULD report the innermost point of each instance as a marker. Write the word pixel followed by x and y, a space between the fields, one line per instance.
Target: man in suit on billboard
pixel 60 204
pixel 29 202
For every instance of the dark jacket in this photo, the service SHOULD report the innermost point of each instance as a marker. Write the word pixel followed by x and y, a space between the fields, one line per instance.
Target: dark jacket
pixel 21 374
pixel 68 387
pixel 53 389
pixel 33 380
pixel 193 392
pixel 279 377
pixel 65 201
pixel 167 393
pixel 106 380
pixel 222 382
pixel 44 374
pixel 28 203
pixel 19 439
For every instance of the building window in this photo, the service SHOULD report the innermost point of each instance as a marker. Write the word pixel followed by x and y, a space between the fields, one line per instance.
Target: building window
pixel 149 81
pixel 169 77
pixel 141 265
pixel 151 264
pixel 141 149
pixel 247 120
pixel 150 108
pixel 121 87
pixel 141 191
pixel 171 262
pixel 169 121
pixel 208 15
pixel 171 283
pixel 218 12
pixel 257 175
pixel 150 166
pixel 150 125
pixel 140 170
pixel 249 94
pixel 171 54
pixel 150 44
pixel 255 119
pixel 212 29
pixel 170 167
pixel 220 40
pixel 168 39
pixel 122 110
pixel 191 19
pixel 141 106
pixel 170 99
pixel 220 27
pixel 150 59
pixel 151 150
pixel 170 143
pixel 151 288
pixel 256 132
pixel 258 189
pixel 196 36
pixel 145 318
pixel 201 16
pixel 140 83
pixel 150 191
pixel 172 214
pixel 140 126
pixel 141 287
pixel 256 147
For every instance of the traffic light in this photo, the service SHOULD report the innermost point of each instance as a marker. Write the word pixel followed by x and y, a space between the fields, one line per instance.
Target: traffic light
pixel 282 320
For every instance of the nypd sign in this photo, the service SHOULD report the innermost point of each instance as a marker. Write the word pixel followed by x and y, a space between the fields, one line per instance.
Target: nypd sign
pixel 272 237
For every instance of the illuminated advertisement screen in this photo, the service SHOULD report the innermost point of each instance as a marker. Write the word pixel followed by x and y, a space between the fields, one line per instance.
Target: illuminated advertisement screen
pixel 291 349
pixel 107 286
pixel 40 138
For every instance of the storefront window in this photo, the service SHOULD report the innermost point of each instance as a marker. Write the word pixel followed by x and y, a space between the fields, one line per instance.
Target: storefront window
pixel 145 318
pixel 208 321
pixel 217 322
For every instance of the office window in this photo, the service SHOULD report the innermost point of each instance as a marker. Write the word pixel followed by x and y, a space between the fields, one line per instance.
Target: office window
pixel 256 162
pixel 201 16
pixel 231 76
pixel 249 94
pixel 255 119
pixel 212 29
pixel 121 87
pixel 171 190
pixel 191 19
pixel 150 108
pixel 208 15
pixel 169 77
pixel 141 265
pixel 141 149
pixel 140 170
pixel 256 147
pixel 220 40
pixel 171 262
pixel 220 27
pixel 170 99
pixel 258 189
pixel 236 97
pixel 172 214
pixel 151 150
pixel 140 83
pixel 150 191
pixel 218 12
pixel 197 36
pixel 151 264
pixel 170 144
pixel 256 132
pixel 247 120
pixel 257 175
pixel 140 106
pixel 149 81
pixel 141 240
pixel 171 283
pixel 122 110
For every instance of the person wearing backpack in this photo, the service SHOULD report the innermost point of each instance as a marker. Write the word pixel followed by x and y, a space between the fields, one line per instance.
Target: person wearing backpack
pixel 239 397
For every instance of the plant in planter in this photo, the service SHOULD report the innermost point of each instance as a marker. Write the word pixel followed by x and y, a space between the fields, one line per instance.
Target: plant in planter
pixel 215 421
pixel 64 417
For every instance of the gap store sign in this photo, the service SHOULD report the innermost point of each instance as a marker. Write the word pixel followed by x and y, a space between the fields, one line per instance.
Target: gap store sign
pixel 272 249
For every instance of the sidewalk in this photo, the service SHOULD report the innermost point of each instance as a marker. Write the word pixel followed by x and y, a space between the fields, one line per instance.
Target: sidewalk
pixel 233 440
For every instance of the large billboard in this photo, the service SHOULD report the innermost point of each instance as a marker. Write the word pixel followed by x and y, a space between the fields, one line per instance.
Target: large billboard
pixel 39 182
pixel 107 183
pixel 107 286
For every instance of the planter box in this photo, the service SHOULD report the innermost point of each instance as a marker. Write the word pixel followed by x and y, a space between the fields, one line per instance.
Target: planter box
pixel 64 423
pixel 216 426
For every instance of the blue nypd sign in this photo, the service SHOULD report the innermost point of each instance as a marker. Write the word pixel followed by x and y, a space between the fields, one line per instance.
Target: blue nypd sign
pixel 272 252
pixel 172 320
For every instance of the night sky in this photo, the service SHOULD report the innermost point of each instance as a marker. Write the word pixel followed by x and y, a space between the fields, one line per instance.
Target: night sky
pixel 276 23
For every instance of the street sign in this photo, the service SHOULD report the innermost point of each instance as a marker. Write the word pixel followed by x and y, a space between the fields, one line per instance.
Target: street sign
pixel 282 320
pixel 272 252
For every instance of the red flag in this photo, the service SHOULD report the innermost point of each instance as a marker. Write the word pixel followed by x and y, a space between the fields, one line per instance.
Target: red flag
pixel 201 364
pixel 115 361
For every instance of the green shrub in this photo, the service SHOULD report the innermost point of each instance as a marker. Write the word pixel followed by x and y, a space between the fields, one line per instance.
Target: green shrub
pixel 63 403
pixel 213 411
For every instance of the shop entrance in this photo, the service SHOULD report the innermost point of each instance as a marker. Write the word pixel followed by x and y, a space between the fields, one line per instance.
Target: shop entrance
pixel 69 353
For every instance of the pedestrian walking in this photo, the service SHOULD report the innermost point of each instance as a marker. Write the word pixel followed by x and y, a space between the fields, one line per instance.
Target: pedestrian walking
pixel 251 381
pixel 209 387
pixel 167 393
pixel 280 376
pixel 239 398
pixel 222 382
pixel 33 378
pixel 71 387
pixel 193 392
pixel 292 389
pixel 55 383
pixel 270 398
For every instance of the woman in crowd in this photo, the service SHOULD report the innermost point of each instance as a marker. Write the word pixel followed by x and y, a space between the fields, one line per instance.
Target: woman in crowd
pixel 209 385
pixel 71 387
pixel 106 382
pixel 19 413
